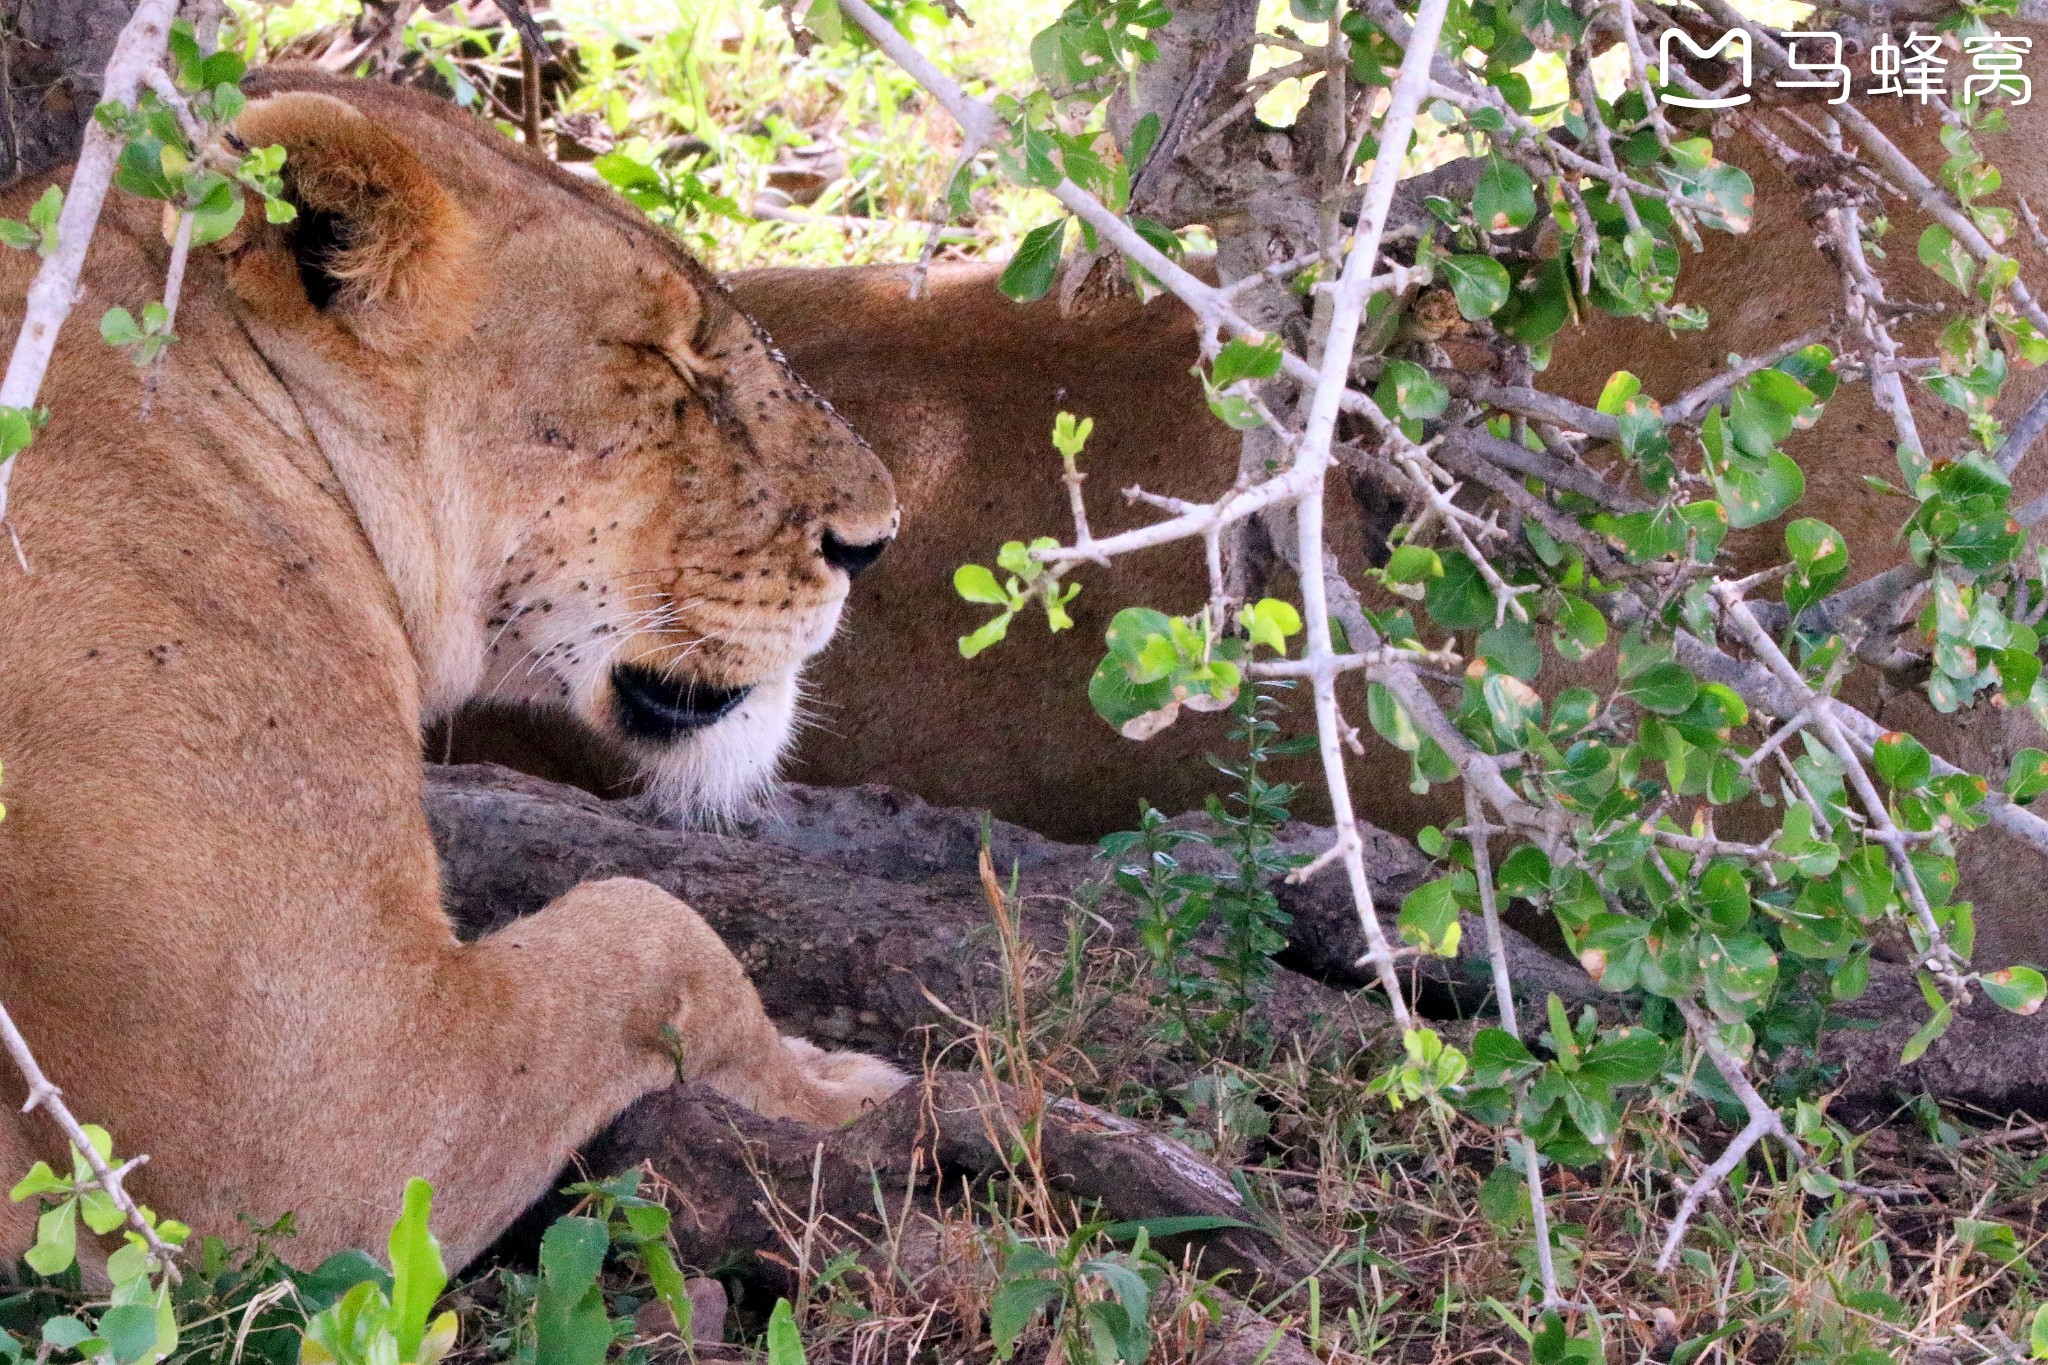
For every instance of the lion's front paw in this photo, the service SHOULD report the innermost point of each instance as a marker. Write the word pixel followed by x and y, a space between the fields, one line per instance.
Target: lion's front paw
pixel 839 1086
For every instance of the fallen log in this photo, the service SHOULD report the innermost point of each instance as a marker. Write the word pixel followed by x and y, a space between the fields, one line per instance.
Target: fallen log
pixel 1990 1059
pixel 849 905
pixel 726 1163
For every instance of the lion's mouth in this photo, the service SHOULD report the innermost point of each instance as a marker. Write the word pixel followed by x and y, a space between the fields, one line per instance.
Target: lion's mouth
pixel 661 709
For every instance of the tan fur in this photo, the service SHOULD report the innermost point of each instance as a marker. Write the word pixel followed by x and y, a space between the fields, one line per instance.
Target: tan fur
pixel 524 418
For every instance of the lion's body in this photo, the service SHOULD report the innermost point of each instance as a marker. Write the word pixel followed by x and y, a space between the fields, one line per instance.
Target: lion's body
pixel 223 934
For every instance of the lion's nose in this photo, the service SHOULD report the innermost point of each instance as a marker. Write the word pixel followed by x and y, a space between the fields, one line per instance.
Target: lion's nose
pixel 852 558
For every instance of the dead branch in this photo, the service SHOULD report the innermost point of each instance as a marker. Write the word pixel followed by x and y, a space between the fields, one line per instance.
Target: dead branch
pixel 47 1097
pixel 723 1157
pixel 50 297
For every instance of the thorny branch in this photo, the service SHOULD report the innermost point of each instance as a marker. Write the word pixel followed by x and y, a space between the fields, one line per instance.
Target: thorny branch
pixel 48 1098
pixel 137 52
pixel 137 58
pixel 1771 685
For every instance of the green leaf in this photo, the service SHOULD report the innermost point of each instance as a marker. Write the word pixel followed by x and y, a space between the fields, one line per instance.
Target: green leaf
pixel 1459 599
pixel 1819 556
pixel 1944 1015
pixel 977 583
pixel 39 1180
pixel 990 632
pixel 1177 1225
pixel 1512 705
pixel 1504 196
pixel 2029 775
pixel 1269 622
pixel 1144 137
pixel 1407 390
pixel 1634 1056
pixel 2019 989
pixel 65 1333
pixel 667 1278
pixel 1852 978
pixel 1552 25
pixel 1756 493
pixel 17 428
pixel 1540 305
pixel 1511 647
pixel 218 212
pixel 1724 894
pixel 1030 273
pixel 823 18
pixel 56 1244
pixel 1665 688
pixel 1429 918
pixel 1070 437
pixel 1739 971
pixel 118 327
pixel 1758 418
pixel 1496 1051
pixel 1132 694
pixel 1524 873
pixel 1615 394
pixel 1015 1303
pixel 1413 564
pixel 417 1274
pixel 569 1319
pixel 1479 283
pixel 100 1212
pixel 1581 629
pixel 1902 761
pixel 785 1343
pixel 1389 720
pixel 1819 925
pixel 1241 359
pixel 1946 257
pixel 129 1331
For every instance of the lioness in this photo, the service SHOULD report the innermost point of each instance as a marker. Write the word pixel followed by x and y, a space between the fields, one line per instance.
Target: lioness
pixel 466 426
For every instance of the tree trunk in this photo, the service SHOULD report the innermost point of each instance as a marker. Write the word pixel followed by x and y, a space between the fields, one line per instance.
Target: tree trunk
pixel 52 55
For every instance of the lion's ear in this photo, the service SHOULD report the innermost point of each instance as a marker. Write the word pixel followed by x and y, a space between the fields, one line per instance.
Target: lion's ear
pixel 379 245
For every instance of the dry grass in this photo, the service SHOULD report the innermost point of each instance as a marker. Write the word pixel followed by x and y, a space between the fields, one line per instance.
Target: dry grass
pixel 1420 1229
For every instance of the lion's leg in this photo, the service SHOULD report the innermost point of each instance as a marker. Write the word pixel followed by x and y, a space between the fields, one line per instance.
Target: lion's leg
pixel 559 1021
pixel 710 1026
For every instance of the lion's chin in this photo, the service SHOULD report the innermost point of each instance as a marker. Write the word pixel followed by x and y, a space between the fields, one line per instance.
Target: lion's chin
pixel 718 773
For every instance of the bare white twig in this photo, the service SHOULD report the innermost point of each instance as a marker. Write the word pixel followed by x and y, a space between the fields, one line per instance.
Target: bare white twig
pixel 43 1095
pixel 1763 1123
pixel 137 52
pixel 1312 462
pixel 174 288
pixel 1476 832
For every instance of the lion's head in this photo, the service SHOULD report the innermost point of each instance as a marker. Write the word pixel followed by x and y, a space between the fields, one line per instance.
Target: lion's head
pixel 591 478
